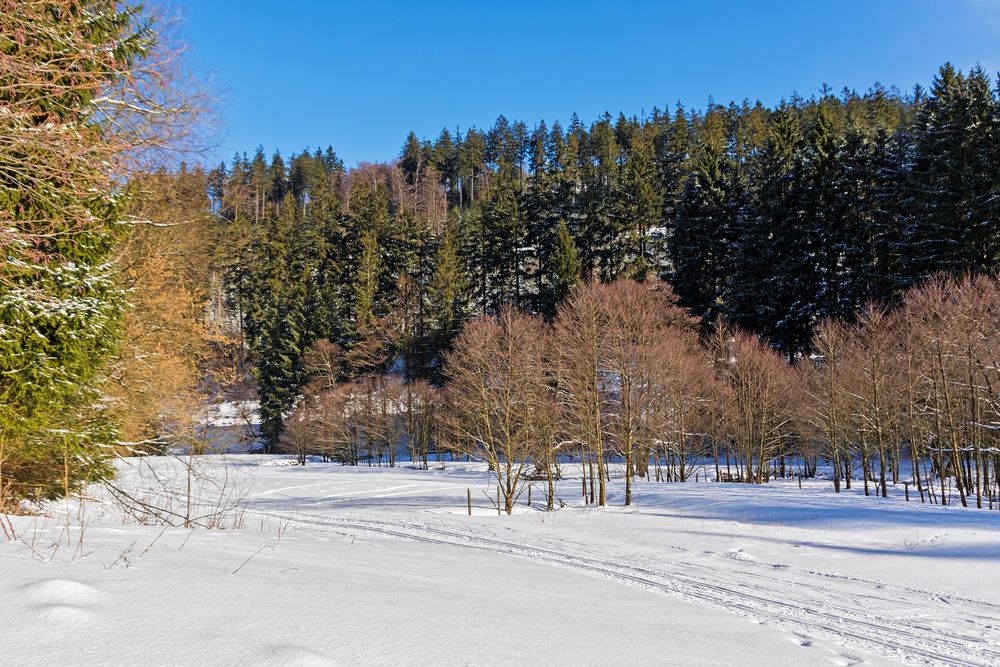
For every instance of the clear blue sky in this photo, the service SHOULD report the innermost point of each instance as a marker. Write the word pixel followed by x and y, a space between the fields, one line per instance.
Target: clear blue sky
pixel 360 75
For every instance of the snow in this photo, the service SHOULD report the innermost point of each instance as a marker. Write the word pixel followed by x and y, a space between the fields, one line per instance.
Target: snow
pixel 339 565
pixel 231 426
pixel 232 413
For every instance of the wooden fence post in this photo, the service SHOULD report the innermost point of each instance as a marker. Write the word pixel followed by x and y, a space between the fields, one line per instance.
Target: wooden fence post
pixel 468 499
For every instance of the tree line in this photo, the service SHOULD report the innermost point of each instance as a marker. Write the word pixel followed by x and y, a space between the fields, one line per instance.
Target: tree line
pixel 770 220
pixel 621 377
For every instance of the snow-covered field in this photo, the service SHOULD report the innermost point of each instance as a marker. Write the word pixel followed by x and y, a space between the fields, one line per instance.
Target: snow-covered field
pixel 337 565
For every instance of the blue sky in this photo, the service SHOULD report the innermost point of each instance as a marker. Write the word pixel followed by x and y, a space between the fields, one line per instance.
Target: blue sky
pixel 359 76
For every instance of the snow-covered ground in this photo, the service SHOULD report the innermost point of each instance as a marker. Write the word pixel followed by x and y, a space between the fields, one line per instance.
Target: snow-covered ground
pixel 337 565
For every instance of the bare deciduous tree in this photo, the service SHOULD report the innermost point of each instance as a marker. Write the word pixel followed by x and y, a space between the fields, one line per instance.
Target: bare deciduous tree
pixel 757 400
pixel 495 378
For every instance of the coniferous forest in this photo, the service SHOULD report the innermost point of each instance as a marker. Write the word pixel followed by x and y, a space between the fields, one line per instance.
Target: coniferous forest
pixel 778 222
pixel 769 219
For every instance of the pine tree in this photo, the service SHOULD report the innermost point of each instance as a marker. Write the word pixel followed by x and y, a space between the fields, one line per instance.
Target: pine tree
pixel 62 200
pixel 604 253
pixel 538 203
pixel 755 250
pixel 283 321
pixel 368 349
pixel 366 285
pixel 673 150
pixel 562 270
pixel 805 277
pixel 444 155
pixel 954 227
pixel 502 236
pixel 640 204
pixel 412 159
pixel 699 243
pixel 471 164
pixel 448 290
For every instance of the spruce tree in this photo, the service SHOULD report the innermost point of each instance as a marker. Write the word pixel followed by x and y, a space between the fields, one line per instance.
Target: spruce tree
pixel 502 237
pixel 699 243
pixel 283 319
pixel 541 216
pixel 61 199
pixel 954 227
pixel 367 344
pixel 604 253
pixel 673 151
pixel 640 204
pixel 755 249
pixel 805 282
pixel 448 290
pixel 562 270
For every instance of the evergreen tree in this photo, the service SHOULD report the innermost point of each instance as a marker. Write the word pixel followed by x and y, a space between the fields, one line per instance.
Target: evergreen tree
pixel 805 276
pixel 284 328
pixel 699 243
pixel 561 271
pixel 448 290
pixel 673 150
pixel 444 156
pixel 756 249
pixel 640 203
pixel 502 235
pixel 541 216
pixel 603 253
pixel 954 227
pixel 61 200
pixel 372 281
pixel 413 159
pixel 471 164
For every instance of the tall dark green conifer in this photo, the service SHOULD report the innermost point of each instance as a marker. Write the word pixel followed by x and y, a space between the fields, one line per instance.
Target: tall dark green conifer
pixel 283 324
pixel 502 240
pixel 699 242
pixel 756 248
pixel 448 290
pixel 603 253
pixel 954 225
pixel 561 271
pixel 804 280
pixel 640 204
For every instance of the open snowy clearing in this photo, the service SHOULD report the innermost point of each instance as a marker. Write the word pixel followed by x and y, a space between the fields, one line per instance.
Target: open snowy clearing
pixel 338 565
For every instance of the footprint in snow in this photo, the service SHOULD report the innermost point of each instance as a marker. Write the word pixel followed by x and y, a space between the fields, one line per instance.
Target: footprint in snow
pixel 845 659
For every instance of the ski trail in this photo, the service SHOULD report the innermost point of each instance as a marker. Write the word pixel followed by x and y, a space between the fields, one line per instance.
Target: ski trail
pixel 907 624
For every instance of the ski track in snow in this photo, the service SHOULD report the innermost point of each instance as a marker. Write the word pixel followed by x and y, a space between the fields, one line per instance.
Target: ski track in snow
pixel 903 623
